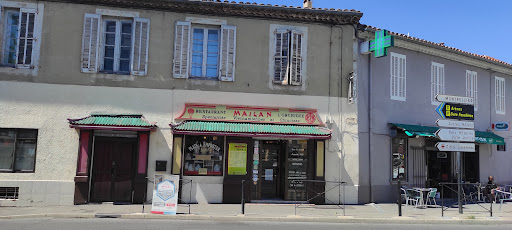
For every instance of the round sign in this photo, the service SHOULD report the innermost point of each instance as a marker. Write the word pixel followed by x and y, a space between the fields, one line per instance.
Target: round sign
pixel 256 162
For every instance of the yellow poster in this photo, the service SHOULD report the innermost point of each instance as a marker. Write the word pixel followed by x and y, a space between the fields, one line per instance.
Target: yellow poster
pixel 237 159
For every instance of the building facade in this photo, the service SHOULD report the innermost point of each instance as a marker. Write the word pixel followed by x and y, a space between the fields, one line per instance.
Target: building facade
pixel 97 97
pixel 397 116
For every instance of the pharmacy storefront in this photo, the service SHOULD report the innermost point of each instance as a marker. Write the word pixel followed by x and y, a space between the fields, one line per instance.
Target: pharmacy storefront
pixel 272 149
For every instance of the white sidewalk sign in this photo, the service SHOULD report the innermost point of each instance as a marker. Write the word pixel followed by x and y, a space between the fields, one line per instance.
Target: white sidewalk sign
pixel 165 194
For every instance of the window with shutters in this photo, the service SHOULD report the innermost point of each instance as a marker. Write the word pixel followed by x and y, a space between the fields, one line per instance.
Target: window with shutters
pixel 115 45
pixel 19 37
pixel 436 81
pixel 472 87
pixel 398 78
pixel 288 50
pixel 499 90
pixel 204 51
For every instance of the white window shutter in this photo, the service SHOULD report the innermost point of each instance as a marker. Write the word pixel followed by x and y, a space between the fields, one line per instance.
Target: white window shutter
pixel 281 56
pixel 228 53
pixel 475 90
pixel 441 79
pixel 433 84
pixel 392 82
pixel 26 38
pixel 140 45
pixel 90 43
pixel 403 78
pixel 296 58
pixel 181 49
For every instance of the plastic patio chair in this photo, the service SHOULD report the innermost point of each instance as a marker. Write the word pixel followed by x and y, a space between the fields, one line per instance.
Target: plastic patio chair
pixel 504 196
pixel 431 196
pixel 413 196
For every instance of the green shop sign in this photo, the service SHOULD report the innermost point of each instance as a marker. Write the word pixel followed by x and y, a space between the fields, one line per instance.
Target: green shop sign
pixel 490 140
pixel 381 43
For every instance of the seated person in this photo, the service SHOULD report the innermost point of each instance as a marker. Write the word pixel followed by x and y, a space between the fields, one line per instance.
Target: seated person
pixel 490 189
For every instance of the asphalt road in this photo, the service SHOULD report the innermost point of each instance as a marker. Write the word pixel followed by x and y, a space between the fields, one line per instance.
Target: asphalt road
pixel 125 224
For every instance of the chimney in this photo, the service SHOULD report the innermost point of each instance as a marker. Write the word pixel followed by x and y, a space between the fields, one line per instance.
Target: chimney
pixel 308 4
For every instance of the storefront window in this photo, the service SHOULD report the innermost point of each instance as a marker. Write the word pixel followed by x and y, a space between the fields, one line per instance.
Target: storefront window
pixel 399 158
pixel 203 155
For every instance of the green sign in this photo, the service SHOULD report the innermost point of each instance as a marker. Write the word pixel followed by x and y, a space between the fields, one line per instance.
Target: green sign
pixel 490 140
pixel 381 43
pixel 456 111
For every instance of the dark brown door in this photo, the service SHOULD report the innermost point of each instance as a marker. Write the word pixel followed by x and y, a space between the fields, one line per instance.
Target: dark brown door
pixel 270 171
pixel 112 174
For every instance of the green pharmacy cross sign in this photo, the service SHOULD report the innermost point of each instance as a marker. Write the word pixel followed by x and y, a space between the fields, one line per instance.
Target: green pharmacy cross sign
pixel 381 43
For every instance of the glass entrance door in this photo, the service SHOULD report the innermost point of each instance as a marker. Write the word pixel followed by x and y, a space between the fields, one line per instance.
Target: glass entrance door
pixel 270 171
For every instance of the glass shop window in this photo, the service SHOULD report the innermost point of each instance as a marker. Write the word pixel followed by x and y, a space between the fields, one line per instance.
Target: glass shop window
pixel 204 155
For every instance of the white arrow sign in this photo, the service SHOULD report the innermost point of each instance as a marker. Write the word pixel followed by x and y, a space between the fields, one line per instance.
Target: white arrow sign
pixel 459 147
pixel 455 124
pixel 455 99
pixel 464 135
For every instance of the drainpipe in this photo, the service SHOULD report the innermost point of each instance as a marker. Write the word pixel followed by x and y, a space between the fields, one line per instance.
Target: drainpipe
pixel 370 177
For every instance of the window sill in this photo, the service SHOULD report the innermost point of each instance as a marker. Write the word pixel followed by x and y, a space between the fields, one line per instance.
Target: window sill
pixel 285 84
pixel 204 78
pixel 116 73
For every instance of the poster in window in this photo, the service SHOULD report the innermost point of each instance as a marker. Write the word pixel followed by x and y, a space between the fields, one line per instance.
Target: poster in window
pixel 237 159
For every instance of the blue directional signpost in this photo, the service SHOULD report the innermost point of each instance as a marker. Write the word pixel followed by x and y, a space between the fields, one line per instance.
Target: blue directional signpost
pixel 457 126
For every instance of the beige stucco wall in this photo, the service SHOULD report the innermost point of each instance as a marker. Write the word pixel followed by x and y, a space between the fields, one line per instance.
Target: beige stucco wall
pixel 61 49
pixel 47 106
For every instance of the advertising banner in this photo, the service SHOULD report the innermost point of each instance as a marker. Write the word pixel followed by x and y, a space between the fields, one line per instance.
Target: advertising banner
pixel 165 194
pixel 237 159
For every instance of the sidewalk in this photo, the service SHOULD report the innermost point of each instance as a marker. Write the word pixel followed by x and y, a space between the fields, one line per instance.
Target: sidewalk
pixel 369 213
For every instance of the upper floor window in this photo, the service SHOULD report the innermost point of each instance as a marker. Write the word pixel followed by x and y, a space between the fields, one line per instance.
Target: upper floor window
pixel 19 37
pixel 18 150
pixel 472 87
pixel 436 81
pixel 124 43
pixel 212 48
pixel 288 50
pixel 499 90
pixel 398 78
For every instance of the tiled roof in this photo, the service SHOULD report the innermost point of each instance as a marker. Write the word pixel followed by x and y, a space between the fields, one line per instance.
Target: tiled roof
pixel 249 129
pixel 232 8
pixel 439 45
pixel 112 120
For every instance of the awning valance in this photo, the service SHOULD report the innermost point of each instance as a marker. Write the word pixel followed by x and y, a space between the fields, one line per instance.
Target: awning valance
pixel 134 122
pixel 429 131
pixel 250 130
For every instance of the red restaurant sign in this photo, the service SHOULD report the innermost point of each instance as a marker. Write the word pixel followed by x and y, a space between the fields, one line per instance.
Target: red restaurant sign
pixel 234 113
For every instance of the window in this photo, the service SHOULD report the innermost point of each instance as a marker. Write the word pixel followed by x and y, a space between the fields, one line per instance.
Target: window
pixel 437 81
pixel 9 193
pixel 203 155
pixel 124 45
pixel 399 158
pixel 471 87
pixel 19 37
pixel 499 90
pixel 288 56
pixel 211 47
pixel 205 53
pixel 18 150
pixel 398 77
pixel 501 147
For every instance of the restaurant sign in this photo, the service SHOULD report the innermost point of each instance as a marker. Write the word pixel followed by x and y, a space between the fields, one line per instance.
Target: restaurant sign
pixel 233 113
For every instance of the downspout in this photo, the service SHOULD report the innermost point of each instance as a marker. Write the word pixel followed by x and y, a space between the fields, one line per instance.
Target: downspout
pixel 370 177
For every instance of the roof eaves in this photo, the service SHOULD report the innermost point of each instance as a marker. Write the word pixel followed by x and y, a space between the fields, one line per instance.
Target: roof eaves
pixel 443 47
pixel 328 16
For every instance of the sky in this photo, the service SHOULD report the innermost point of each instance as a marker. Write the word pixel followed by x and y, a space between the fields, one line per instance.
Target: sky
pixel 476 26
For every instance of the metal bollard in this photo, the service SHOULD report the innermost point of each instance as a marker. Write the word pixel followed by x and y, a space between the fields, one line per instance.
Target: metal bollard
pixel 243 198
pixel 399 198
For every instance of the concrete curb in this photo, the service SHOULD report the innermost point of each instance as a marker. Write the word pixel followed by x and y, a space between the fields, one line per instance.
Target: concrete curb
pixel 338 219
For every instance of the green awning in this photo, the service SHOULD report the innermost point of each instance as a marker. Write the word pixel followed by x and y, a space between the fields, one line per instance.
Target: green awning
pixel 429 131
pixel 250 130
pixel 113 121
